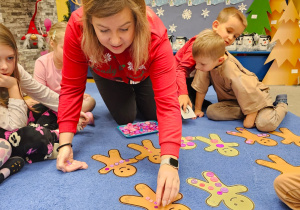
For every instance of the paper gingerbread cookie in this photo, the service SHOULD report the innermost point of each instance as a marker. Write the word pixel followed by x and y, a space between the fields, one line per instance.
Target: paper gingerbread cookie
pixel 147 150
pixel 230 195
pixel 147 199
pixel 114 162
pixel 216 143
pixel 251 138
pixel 288 136
pixel 279 164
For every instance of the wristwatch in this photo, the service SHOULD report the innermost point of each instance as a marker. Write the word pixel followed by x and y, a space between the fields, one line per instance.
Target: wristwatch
pixel 170 161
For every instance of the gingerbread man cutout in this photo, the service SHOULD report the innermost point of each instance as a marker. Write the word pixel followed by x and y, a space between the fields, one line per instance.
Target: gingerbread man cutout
pixel 251 138
pixel 147 199
pixel 288 136
pixel 116 163
pixel 186 143
pixel 216 143
pixel 146 150
pixel 278 164
pixel 230 195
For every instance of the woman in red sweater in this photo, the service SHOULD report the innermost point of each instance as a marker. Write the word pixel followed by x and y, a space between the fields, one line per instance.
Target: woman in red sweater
pixel 127 47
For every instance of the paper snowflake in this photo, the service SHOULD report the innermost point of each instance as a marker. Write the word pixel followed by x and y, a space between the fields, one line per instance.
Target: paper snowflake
pixel 160 12
pixel 172 28
pixel 205 13
pixel 242 7
pixel 187 14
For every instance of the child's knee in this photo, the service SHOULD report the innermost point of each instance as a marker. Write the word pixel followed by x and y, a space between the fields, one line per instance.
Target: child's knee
pixel 265 126
pixel 89 104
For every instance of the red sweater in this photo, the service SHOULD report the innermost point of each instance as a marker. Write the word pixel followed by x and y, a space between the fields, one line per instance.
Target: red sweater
pixel 160 67
pixel 185 64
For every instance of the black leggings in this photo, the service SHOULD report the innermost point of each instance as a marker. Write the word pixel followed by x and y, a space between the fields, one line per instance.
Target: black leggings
pixel 123 100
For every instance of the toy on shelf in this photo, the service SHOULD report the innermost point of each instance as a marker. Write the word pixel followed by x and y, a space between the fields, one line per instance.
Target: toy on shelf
pixel 33 40
pixel 179 42
pixel 139 128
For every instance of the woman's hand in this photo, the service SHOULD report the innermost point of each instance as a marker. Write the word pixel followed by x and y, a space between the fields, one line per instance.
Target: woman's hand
pixel 168 184
pixel 184 100
pixel 65 161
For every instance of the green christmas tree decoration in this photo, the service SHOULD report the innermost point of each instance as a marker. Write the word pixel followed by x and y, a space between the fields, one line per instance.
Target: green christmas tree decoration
pixel 258 20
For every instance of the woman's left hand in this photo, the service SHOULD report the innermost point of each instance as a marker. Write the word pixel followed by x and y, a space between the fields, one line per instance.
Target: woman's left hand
pixel 168 184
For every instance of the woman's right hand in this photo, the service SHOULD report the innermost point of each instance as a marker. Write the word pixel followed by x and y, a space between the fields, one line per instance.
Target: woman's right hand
pixel 65 161
pixel 184 100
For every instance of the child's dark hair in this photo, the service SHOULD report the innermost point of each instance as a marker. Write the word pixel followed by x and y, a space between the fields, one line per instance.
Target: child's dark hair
pixel 6 38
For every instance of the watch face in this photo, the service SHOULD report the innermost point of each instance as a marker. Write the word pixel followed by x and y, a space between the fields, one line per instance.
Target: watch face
pixel 174 162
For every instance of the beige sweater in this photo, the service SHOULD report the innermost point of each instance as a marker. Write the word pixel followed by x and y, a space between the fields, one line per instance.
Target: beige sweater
pixel 15 115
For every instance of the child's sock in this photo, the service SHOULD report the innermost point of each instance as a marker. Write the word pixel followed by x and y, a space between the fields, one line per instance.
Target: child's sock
pixel 91 118
pixel 12 166
pixel 5 151
pixel 282 98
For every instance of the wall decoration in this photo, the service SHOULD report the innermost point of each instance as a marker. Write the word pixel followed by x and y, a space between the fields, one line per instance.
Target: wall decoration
pixel 258 17
pixel 236 1
pixel 186 14
pixel 172 28
pixel 242 7
pixel 161 2
pixel 160 12
pixel 62 9
pixel 286 65
pixel 277 8
pixel 205 13
pixel 197 2
pixel 214 2
pixel 180 2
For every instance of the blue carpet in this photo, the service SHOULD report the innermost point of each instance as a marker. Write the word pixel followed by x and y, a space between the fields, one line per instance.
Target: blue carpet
pixel 202 162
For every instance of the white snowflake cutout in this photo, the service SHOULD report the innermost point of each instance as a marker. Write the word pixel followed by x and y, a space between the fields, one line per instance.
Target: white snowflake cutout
pixel 160 12
pixel 130 66
pixel 242 7
pixel 107 57
pixel 172 28
pixel 205 13
pixel 187 14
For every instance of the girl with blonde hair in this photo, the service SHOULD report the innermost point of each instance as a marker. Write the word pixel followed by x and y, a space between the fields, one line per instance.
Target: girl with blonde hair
pixel 126 45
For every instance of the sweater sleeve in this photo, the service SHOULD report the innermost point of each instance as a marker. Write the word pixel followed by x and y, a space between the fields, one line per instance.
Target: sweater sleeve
pixel 74 75
pixel 163 77
pixel 37 91
pixel 185 64
pixel 14 116
pixel 40 72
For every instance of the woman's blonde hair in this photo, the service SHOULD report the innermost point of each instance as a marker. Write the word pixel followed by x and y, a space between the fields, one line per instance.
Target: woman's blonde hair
pixel 56 33
pixel 90 44
pixel 208 44
pixel 6 38
pixel 227 12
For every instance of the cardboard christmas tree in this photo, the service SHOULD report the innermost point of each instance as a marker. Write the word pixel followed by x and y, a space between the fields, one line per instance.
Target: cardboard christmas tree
pixel 257 18
pixel 277 8
pixel 286 53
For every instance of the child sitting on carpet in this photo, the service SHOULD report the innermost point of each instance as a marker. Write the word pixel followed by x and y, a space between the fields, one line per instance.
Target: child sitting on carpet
pixel 240 94
pixel 47 70
pixel 17 139
pixel 229 24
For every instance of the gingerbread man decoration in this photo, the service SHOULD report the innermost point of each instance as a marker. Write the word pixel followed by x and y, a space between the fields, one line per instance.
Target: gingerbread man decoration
pixel 251 138
pixel 216 143
pixel 186 143
pixel 230 195
pixel 279 164
pixel 146 150
pixel 288 136
pixel 147 199
pixel 114 162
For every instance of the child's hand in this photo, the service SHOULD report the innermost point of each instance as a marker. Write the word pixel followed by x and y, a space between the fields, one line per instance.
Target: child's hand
pixel 198 113
pixel 184 100
pixel 7 81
